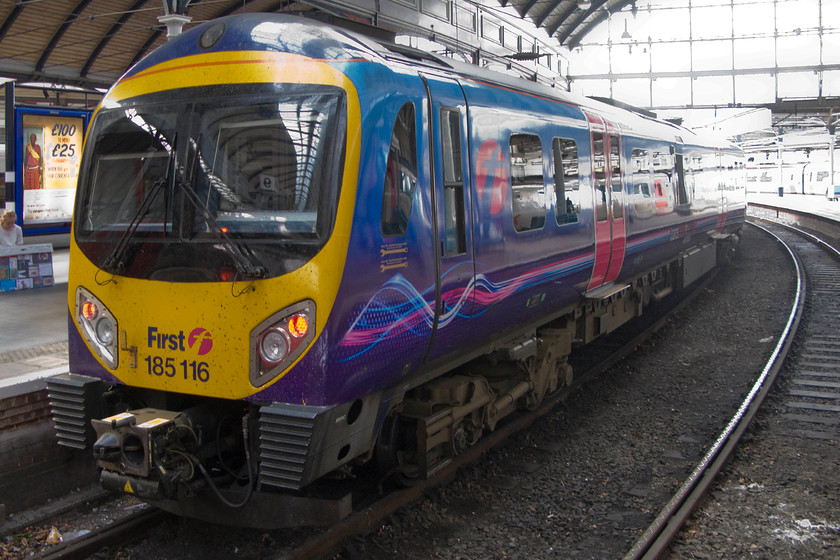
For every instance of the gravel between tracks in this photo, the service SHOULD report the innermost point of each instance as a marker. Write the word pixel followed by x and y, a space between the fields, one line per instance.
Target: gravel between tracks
pixel 585 480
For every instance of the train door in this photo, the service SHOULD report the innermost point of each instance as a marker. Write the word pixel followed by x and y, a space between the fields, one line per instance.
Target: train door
pixel 610 230
pixel 455 266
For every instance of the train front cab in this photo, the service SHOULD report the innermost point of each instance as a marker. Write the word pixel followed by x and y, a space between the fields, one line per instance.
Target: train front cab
pixel 211 232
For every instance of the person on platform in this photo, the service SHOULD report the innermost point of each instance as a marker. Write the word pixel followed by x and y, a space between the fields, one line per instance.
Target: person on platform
pixel 10 232
pixel 33 165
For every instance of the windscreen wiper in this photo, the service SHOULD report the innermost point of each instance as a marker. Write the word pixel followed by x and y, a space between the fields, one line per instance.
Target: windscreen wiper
pixel 114 263
pixel 246 261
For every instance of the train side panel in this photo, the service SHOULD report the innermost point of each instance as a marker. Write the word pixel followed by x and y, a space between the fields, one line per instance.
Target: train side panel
pixel 534 242
pixel 386 306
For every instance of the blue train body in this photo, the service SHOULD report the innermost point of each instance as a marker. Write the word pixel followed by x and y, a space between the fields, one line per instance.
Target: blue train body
pixel 484 225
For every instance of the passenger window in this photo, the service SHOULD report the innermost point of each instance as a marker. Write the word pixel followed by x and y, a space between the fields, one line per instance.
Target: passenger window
pixel 663 167
pixel 640 160
pixel 400 174
pixel 453 182
pixel 527 182
pixel 566 184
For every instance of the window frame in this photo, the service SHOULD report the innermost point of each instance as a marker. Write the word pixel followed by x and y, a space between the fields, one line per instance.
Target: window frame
pixel 528 182
pixel 562 201
pixel 401 166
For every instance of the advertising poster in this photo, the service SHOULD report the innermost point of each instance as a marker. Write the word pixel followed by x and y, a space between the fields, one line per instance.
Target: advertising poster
pixel 26 267
pixel 51 149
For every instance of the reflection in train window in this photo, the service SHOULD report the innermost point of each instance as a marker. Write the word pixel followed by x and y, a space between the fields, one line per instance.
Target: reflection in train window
pixel 526 181
pixel 682 192
pixel 400 174
pixel 599 164
pixel 641 188
pixel 615 177
pixel 642 178
pixel 566 184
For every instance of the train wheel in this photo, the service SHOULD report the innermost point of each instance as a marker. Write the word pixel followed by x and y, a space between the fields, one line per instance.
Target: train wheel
pixel 396 449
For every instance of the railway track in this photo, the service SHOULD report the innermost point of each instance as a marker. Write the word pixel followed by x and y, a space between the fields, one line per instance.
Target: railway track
pixel 812 392
pixel 118 533
pixel 813 399
pixel 371 517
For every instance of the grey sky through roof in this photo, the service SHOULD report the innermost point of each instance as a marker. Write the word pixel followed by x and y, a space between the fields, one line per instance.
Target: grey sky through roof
pixel 668 54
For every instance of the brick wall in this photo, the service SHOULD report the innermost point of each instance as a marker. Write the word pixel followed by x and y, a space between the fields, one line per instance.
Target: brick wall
pixel 34 467
pixel 29 408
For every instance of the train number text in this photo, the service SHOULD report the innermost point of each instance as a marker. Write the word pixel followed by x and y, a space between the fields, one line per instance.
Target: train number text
pixel 168 367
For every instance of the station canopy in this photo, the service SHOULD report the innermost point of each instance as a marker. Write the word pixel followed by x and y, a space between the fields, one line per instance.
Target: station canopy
pixel 657 54
pixel 91 43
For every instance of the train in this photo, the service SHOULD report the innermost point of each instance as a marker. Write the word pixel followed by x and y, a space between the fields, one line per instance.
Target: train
pixel 815 177
pixel 299 253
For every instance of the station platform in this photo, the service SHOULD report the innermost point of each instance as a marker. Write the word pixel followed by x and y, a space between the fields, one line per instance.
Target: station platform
pixel 33 344
pixel 814 204
pixel 33 338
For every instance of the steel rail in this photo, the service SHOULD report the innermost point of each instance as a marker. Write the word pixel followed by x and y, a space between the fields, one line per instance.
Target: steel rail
pixel 658 536
pixel 117 533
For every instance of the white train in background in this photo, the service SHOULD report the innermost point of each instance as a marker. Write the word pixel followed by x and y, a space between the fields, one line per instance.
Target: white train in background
pixel 814 177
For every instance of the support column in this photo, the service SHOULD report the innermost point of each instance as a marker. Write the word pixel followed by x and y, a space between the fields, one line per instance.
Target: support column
pixel 10 145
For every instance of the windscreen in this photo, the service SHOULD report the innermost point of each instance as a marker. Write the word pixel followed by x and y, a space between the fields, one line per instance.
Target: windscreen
pixel 212 184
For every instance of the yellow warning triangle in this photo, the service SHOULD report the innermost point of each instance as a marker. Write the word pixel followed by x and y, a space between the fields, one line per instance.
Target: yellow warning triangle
pixel 127 488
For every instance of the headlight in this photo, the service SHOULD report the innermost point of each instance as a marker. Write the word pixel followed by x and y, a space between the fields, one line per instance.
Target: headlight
pixel 97 325
pixel 274 346
pixel 280 340
pixel 105 331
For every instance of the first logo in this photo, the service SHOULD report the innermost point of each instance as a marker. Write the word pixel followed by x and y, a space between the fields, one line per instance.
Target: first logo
pixel 202 338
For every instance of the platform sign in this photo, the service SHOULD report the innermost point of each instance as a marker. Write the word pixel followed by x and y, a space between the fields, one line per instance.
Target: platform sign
pixel 48 154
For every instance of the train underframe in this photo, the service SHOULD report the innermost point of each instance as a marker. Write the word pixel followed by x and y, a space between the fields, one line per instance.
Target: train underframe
pixel 260 463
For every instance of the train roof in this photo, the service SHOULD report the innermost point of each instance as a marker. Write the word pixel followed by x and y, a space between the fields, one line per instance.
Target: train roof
pixel 316 39
pixel 630 118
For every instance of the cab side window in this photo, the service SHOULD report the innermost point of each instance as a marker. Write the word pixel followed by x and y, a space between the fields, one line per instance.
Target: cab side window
pixel 400 174
pixel 526 182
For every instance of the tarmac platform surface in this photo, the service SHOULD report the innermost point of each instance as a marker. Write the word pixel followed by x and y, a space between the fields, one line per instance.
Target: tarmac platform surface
pixel 33 339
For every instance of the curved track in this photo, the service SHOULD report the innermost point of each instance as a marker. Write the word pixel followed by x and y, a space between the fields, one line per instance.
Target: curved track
pixel 370 517
pixel 814 391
